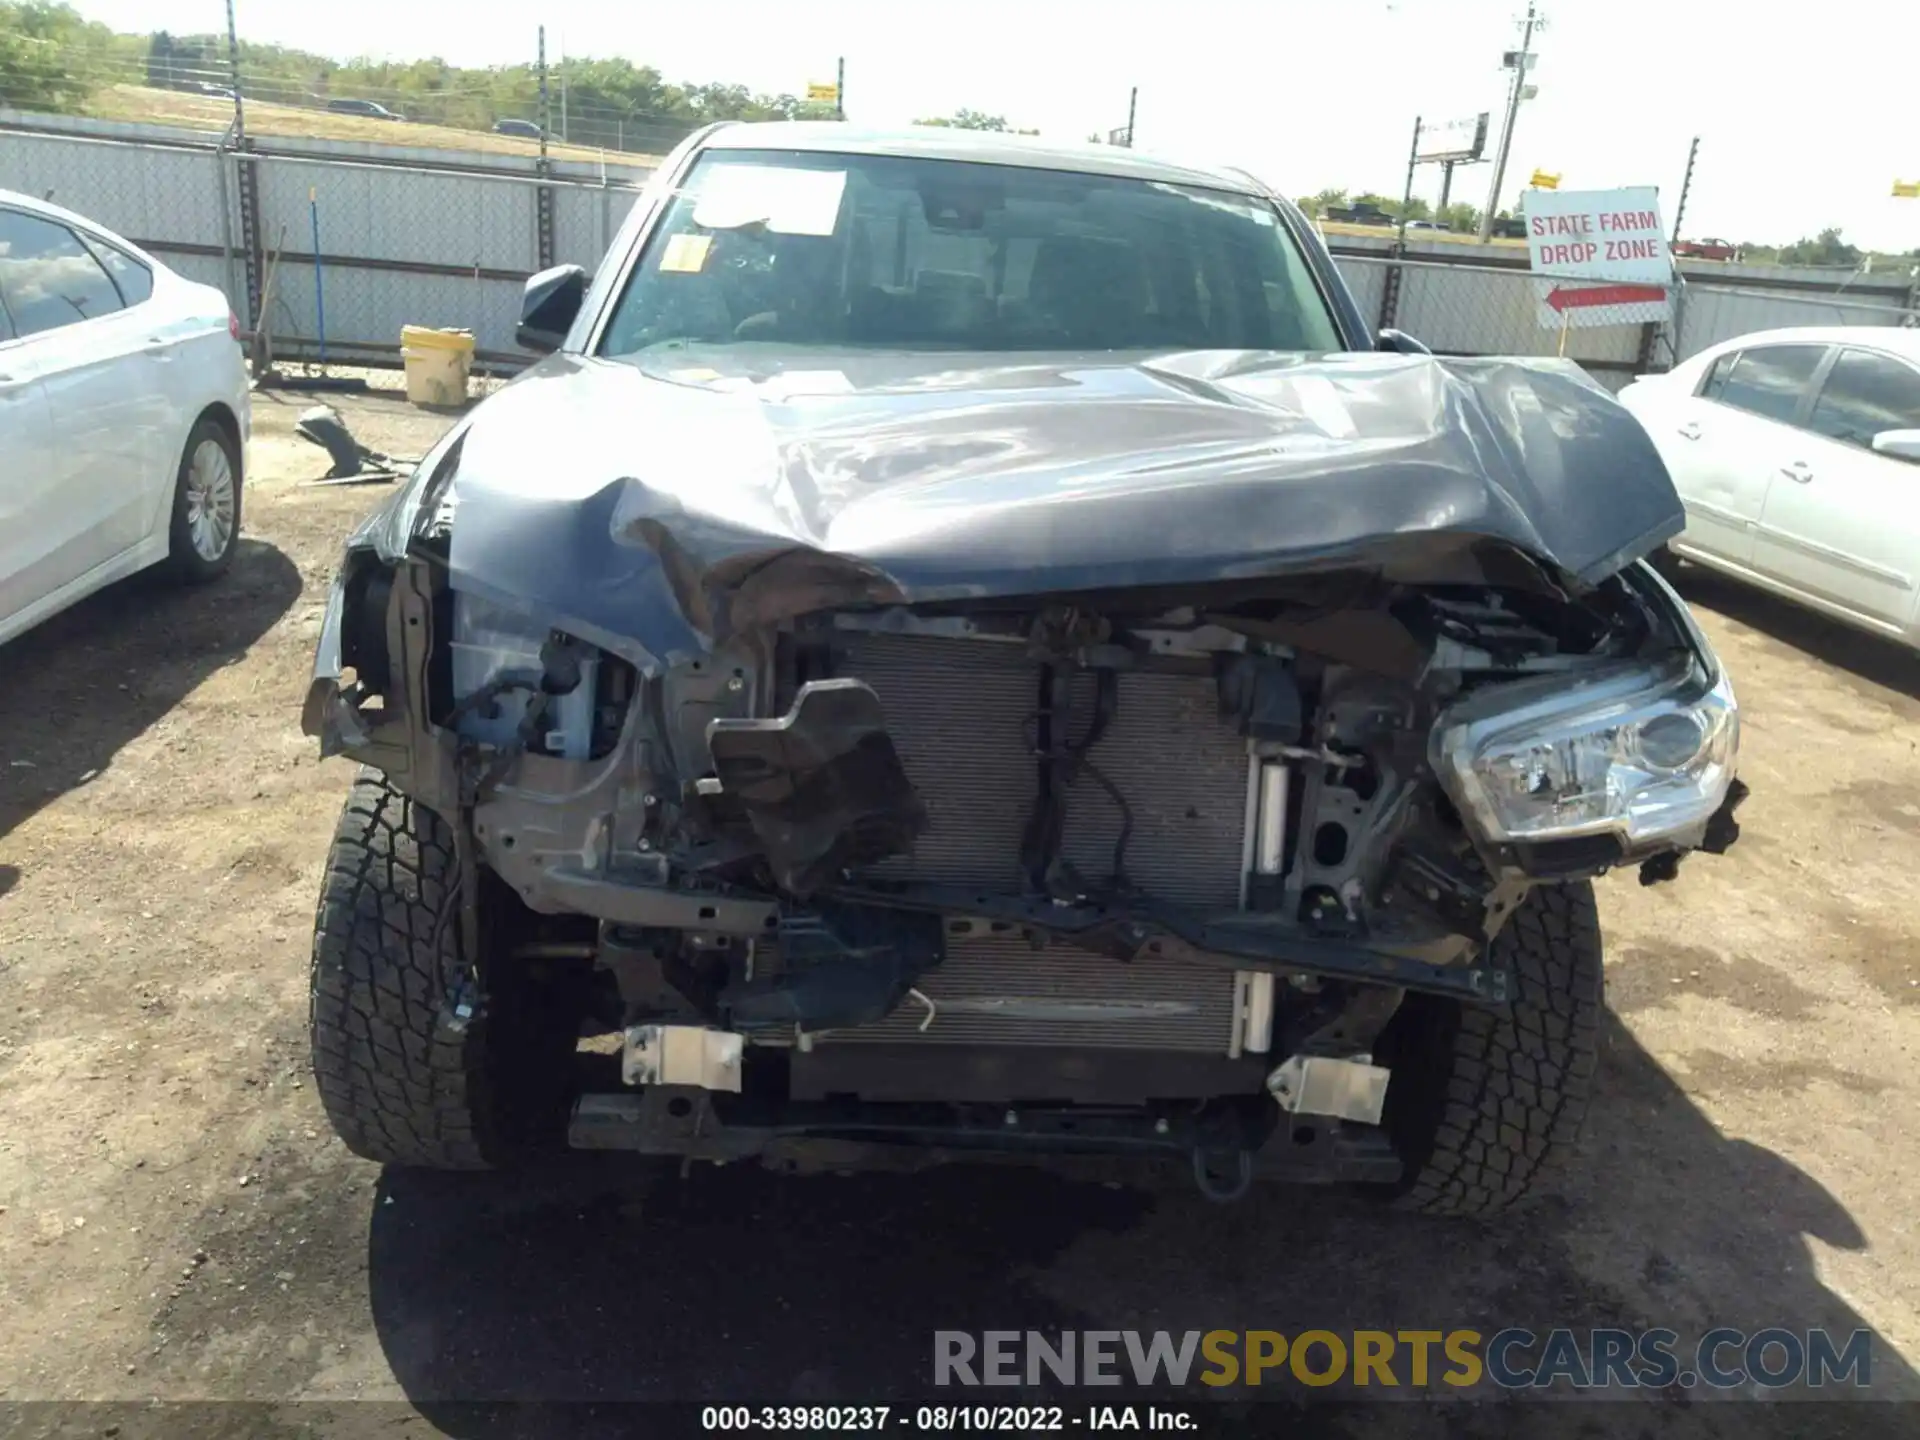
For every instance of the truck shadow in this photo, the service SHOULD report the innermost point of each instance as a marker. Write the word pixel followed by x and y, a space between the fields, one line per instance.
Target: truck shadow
pixel 99 674
pixel 605 1282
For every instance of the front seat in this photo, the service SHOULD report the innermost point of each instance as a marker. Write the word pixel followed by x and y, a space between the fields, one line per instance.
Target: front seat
pixel 1090 293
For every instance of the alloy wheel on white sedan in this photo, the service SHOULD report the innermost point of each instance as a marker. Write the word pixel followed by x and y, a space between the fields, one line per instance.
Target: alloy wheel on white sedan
pixel 210 500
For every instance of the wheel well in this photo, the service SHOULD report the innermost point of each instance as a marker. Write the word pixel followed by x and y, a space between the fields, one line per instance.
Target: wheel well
pixel 221 415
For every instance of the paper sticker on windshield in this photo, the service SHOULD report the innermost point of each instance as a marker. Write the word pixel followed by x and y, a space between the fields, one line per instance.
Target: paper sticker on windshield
pixel 787 201
pixel 686 254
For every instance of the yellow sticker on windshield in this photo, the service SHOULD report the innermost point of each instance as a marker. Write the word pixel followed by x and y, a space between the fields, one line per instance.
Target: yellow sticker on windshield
pixel 686 254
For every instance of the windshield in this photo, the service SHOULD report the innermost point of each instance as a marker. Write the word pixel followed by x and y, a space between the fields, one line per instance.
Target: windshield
pixel 888 252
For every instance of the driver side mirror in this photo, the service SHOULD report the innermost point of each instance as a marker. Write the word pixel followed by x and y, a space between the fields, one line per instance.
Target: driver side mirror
pixel 1901 444
pixel 1398 342
pixel 548 307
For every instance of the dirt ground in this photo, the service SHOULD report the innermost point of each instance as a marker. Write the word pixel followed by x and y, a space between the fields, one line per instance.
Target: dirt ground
pixel 177 1222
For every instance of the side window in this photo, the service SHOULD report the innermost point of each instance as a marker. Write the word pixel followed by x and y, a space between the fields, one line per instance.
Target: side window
pixel 1866 393
pixel 1716 378
pixel 1771 380
pixel 132 279
pixel 48 277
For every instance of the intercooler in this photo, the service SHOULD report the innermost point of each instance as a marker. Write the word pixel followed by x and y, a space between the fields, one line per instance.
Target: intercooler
pixel 961 714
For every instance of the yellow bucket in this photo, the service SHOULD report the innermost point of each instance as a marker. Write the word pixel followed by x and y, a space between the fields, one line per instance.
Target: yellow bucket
pixel 438 363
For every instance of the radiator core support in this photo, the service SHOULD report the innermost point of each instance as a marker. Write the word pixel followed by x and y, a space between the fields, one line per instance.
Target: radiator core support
pixel 961 714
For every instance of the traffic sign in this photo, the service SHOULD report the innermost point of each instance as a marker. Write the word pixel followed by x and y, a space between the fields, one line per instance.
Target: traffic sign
pixel 1612 239
pixel 1544 180
pixel 826 94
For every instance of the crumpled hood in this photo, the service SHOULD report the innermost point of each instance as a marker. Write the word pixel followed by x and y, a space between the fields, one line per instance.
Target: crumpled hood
pixel 656 512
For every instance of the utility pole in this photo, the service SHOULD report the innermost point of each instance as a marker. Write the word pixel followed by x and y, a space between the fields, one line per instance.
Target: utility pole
pixel 1686 184
pixel 840 89
pixel 563 84
pixel 1522 62
pixel 546 118
pixel 1133 102
pixel 1406 199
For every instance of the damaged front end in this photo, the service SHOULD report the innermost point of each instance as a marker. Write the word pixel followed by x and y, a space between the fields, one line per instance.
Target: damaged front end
pixel 895 868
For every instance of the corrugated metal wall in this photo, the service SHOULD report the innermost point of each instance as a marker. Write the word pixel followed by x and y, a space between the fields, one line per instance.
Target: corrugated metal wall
pixel 402 231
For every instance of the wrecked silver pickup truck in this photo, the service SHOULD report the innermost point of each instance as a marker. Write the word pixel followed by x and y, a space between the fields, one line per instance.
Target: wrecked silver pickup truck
pixel 968 648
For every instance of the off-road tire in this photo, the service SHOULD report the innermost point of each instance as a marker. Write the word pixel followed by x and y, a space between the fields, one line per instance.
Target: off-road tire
pixel 405 1077
pixel 1484 1103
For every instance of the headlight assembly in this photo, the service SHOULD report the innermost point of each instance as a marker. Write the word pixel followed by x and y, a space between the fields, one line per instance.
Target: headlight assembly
pixel 1642 751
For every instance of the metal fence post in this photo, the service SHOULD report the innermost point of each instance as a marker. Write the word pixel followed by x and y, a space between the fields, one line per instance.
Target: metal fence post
pixel 1649 337
pixel 1390 292
pixel 247 182
pixel 543 197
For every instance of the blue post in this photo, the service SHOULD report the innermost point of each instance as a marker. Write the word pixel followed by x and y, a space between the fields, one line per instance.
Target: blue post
pixel 319 291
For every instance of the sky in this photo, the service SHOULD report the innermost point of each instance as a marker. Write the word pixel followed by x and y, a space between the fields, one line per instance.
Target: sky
pixel 1805 116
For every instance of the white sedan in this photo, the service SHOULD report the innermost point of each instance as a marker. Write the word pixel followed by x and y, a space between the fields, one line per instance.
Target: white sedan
pixel 123 415
pixel 1797 454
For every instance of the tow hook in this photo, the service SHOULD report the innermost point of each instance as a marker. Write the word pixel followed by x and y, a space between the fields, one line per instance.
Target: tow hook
pixel 1223 1176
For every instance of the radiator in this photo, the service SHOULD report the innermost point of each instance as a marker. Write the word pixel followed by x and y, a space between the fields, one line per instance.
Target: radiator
pixel 959 713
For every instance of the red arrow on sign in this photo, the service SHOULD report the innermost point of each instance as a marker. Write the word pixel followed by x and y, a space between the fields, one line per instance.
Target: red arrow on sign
pixel 1565 300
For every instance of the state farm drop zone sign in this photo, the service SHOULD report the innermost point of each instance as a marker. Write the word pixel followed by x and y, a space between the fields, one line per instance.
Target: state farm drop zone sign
pixel 1601 256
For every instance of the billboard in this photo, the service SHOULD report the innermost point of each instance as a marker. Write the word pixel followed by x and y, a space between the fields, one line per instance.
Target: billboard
pixel 1457 140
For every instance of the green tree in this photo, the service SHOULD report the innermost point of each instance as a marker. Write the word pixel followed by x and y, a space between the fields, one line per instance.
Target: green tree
pixel 1826 248
pixel 47 56
pixel 976 120
pixel 1460 217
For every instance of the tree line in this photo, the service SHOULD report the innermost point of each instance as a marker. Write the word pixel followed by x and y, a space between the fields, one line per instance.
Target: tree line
pixel 54 60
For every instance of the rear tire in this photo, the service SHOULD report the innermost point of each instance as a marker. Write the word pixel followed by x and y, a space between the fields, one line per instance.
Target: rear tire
pixel 1484 1104
pixel 205 526
pixel 405 1076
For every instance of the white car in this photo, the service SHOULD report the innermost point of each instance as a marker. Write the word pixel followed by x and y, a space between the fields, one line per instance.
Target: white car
pixel 123 415
pixel 1797 454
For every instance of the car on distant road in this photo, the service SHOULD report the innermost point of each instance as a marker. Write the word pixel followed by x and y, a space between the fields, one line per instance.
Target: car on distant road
pixel 124 415
pixel 525 129
pixel 1363 213
pixel 1706 250
pixel 362 107
pixel 1797 455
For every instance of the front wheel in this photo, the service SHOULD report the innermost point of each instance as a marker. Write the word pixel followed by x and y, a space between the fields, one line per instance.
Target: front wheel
pixel 1483 1103
pixel 419 1061
pixel 206 504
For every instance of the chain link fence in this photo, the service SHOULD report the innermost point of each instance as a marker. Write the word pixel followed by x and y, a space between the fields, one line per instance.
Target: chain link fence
pixel 331 247
pixel 1465 308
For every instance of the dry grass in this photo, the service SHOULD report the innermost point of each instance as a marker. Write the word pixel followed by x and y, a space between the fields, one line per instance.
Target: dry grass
pixel 145 106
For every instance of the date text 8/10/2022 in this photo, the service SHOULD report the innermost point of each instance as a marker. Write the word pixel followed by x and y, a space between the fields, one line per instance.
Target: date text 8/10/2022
pixel 945 1419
